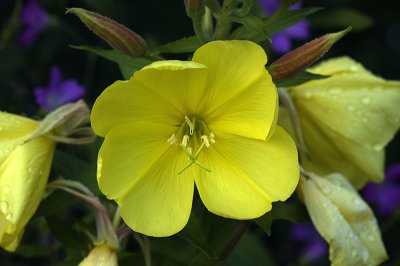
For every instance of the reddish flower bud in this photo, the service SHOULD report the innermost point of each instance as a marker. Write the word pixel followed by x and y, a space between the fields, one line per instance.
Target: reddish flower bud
pixel 299 59
pixel 116 35
pixel 194 8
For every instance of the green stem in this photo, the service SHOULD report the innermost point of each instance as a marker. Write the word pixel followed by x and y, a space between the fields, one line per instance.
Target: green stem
pixel 224 24
pixel 234 240
pixel 117 218
pixel 198 29
pixel 144 244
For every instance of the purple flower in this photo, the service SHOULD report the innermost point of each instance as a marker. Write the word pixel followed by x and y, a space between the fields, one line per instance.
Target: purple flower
pixel 58 91
pixel 281 41
pixel 386 195
pixel 312 245
pixel 35 19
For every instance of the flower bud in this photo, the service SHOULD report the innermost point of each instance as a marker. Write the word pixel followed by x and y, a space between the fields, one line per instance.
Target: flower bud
pixel 101 255
pixel 343 219
pixel 116 35
pixel 194 8
pixel 299 59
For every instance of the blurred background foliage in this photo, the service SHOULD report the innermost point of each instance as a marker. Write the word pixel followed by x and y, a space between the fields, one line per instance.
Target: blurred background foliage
pixel 374 41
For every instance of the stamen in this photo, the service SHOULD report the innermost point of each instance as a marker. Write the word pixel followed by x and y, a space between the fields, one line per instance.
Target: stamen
pixel 190 124
pixel 172 139
pixel 185 140
pixel 204 138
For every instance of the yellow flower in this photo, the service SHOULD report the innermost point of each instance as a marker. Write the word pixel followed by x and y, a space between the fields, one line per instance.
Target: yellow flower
pixel 101 255
pixel 26 152
pixel 347 120
pixel 344 220
pixel 24 170
pixel 210 121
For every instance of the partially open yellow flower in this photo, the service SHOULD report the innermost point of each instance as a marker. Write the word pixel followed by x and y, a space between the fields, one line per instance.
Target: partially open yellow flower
pixel 24 170
pixel 344 220
pixel 210 121
pixel 347 120
pixel 101 255
pixel 26 153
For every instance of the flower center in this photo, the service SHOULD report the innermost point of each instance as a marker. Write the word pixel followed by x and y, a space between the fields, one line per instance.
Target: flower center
pixel 194 135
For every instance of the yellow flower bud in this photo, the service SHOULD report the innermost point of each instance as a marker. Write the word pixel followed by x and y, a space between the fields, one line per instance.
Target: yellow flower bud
pixel 24 170
pixel 101 255
pixel 26 153
pixel 344 220
pixel 347 120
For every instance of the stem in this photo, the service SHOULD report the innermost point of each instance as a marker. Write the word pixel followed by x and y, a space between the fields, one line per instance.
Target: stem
pixel 287 102
pixel 223 22
pixel 234 240
pixel 144 244
pixel 198 29
pixel 117 218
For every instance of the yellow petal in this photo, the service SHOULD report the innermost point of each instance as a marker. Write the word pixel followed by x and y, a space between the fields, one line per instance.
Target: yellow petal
pixel 23 179
pixel 128 152
pixel 247 175
pixel 352 110
pixel 360 164
pixel 236 72
pixel 344 220
pixel 159 203
pixel 160 93
pixel 14 129
pixel 252 113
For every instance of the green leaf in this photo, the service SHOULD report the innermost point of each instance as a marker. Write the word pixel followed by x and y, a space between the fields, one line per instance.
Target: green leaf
pixel 300 78
pixel 71 239
pixel 184 45
pixel 282 22
pixel 175 248
pixel 127 64
pixel 265 223
pixel 56 201
pixel 293 212
pixel 253 24
pixel 348 17
pixel 250 251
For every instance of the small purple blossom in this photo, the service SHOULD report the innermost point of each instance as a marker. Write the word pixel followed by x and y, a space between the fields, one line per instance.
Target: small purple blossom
pixel 35 19
pixel 281 41
pixel 386 195
pixel 58 91
pixel 312 245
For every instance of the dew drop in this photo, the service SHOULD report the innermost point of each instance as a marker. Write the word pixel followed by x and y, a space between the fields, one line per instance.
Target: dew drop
pixel 4 207
pixel 327 190
pixel 364 119
pixel 366 100
pixel 377 147
pixel 308 95
pixel 371 238
pixel 351 108
pixel 8 216
pixel 354 253
pixel 335 90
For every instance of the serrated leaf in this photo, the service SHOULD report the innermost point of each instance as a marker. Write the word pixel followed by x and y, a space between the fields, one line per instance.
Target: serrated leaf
pixel 300 78
pixel 127 64
pixel 184 45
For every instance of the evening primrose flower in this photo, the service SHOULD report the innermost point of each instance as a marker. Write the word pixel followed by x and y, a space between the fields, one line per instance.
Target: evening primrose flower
pixel 101 255
pixel 347 120
pixel 210 121
pixel 26 152
pixel 343 219
pixel 24 169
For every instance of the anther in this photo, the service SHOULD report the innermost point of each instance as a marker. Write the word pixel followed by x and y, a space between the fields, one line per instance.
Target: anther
pixel 185 140
pixel 172 139
pixel 204 138
pixel 190 124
